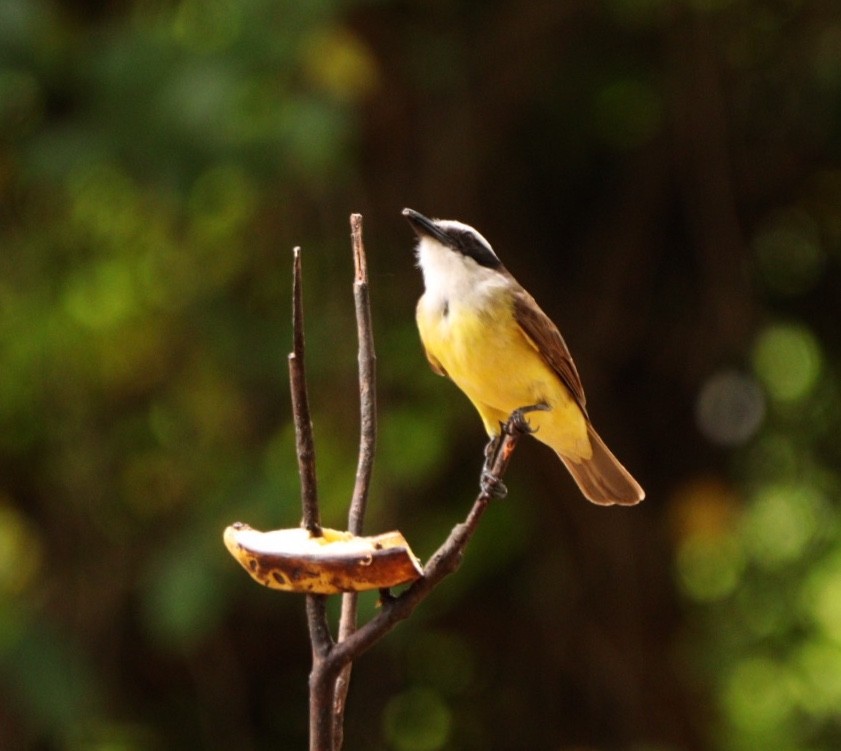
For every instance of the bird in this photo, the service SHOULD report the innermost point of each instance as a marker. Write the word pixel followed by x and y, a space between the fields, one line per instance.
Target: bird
pixel 484 331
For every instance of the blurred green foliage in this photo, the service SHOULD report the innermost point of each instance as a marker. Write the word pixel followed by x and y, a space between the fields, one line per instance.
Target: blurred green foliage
pixel 664 175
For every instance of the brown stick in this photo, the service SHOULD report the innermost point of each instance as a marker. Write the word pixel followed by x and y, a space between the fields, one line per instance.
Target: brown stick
pixel 321 726
pixel 367 447
pixel 304 443
pixel 367 381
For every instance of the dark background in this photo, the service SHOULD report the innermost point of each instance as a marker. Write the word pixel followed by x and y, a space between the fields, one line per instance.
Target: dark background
pixel 663 175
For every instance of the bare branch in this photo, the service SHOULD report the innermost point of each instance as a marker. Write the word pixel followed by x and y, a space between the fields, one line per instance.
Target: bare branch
pixel 444 561
pixel 367 446
pixel 321 717
pixel 304 443
pixel 322 682
pixel 367 381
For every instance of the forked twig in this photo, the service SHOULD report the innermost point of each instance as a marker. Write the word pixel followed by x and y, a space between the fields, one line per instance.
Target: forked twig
pixel 332 660
pixel 446 560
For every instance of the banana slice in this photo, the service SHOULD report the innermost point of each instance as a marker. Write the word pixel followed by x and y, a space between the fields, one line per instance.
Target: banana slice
pixel 292 560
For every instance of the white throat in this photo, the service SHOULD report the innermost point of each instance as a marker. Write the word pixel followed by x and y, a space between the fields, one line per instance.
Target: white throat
pixel 452 278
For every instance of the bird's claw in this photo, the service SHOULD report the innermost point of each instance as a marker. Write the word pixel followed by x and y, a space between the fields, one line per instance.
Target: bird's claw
pixel 519 423
pixel 490 450
pixel 489 483
pixel 492 486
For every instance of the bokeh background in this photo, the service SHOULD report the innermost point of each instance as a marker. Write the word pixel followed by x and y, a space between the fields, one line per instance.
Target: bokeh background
pixel 663 175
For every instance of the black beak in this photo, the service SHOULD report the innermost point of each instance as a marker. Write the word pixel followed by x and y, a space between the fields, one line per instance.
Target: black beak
pixel 425 227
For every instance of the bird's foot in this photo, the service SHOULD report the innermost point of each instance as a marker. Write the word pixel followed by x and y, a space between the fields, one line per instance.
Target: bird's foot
pixel 490 483
pixel 491 486
pixel 519 423
pixel 491 448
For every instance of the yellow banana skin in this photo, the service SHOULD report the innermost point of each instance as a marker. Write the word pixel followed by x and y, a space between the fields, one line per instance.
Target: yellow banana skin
pixel 293 560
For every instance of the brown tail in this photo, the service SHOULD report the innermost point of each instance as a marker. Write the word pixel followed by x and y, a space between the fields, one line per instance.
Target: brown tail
pixel 602 478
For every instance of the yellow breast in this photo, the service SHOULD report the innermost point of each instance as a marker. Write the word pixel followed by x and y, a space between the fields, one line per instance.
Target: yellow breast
pixel 485 352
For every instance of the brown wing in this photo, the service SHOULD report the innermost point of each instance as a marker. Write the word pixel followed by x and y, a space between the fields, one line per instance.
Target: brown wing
pixel 546 338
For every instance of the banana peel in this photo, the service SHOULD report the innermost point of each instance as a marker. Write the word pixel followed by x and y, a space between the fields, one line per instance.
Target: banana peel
pixel 293 560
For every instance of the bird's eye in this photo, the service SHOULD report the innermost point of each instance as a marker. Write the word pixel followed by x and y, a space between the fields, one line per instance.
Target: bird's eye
pixel 466 241
pixel 474 248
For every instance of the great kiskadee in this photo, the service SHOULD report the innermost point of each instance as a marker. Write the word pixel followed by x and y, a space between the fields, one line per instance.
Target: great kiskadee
pixel 480 328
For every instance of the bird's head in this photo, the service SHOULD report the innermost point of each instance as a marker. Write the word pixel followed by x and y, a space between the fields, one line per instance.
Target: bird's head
pixel 439 238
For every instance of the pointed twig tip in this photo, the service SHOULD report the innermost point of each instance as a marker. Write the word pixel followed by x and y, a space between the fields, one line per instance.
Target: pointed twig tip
pixel 359 261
